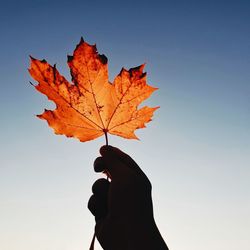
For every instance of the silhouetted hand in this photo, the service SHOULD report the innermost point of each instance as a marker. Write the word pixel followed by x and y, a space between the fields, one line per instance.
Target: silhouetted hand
pixel 123 207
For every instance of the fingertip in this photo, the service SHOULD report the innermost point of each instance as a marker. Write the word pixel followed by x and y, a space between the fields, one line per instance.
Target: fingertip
pixel 105 149
pixel 99 165
pixel 101 187
pixel 97 206
pixel 92 204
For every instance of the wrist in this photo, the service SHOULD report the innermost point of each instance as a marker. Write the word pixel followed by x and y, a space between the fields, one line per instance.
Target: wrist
pixel 145 235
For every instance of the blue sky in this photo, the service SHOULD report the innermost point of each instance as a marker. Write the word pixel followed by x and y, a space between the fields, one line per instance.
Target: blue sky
pixel 196 151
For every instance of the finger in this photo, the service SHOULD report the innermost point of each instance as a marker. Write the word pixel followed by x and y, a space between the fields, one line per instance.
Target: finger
pixel 127 160
pixel 98 207
pixel 112 162
pixel 123 157
pixel 99 164
pixel 100 188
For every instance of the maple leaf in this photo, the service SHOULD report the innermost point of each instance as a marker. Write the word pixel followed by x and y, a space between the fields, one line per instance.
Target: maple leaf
pixel 91 106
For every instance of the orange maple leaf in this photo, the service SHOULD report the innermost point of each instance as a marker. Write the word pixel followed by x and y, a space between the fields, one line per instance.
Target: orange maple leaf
pixel 92 106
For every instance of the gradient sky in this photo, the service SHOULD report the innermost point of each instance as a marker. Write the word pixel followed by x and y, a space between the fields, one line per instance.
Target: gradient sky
pixel 196 151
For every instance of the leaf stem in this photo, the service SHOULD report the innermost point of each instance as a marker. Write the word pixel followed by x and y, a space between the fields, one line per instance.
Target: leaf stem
pixel 92 242
pixel 106 138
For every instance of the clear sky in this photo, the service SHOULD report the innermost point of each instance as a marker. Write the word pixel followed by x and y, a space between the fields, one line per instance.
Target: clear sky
pixel 196 151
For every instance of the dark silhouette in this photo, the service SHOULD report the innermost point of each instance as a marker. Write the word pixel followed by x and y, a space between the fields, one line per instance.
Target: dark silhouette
pixel 123 207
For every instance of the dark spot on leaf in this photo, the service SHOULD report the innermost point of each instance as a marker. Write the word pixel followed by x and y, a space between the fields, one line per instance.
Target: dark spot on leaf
pixel 103 59
pixel 70 58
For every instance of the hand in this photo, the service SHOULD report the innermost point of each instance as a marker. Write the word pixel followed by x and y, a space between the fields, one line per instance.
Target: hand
pixel 123 207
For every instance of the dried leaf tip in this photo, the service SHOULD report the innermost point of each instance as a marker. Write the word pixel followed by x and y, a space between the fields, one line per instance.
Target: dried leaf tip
pixel 103 59
pixel 70 58
pixel 81 40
